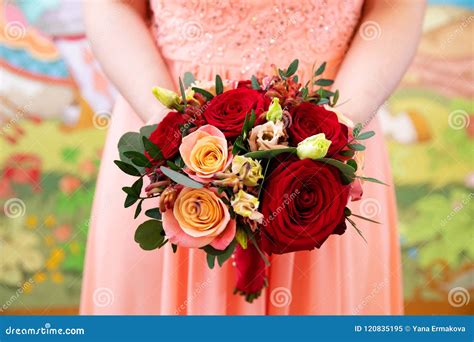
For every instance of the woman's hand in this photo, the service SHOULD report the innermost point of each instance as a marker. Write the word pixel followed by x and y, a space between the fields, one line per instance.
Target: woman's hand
pixel 375 63
pixel 123 44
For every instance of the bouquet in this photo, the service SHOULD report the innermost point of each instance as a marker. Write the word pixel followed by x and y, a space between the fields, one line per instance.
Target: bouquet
pixel 244 169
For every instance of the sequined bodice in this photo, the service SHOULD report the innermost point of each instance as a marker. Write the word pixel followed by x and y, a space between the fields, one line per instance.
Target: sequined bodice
pixel 245 36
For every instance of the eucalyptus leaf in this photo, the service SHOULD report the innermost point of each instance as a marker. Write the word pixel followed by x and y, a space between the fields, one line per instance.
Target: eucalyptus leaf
pixel 345 169
pixel 365 135
pixel 180 178
pixel 373 180
pixel 292 68
pixel 323 82
pixel 188 79
pixel 130 141
pixel 127 168
pixel 255 84
pixel 204 93
pixel 149 235
pixel 356 147
pixel 154 213
pixel 320 70
pixel 219 85
pixel 146 131
pixel 267 154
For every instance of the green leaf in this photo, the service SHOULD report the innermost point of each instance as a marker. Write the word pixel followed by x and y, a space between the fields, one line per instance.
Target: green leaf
pixel 347 153
pixel 357 229
pixel 238 146
pixel 320 70
pixel 180 178
pixel 130 200
pixel 323 101
pixel 173 166
pixel 138 210
pixel 292 68
pixel 365 218
pixel 130 141
pixel 304 92
pixel 221 258
pixel 365 135
pixel 356 130
pixel 352 163
pixel 219 85
pixel 323 82
pixel 269 153
pixel 138 158
pixel 295 78
pixel 152 149
pixel 154 213
pixel 345 169
pixel 356 147
pixel 282 74
pixel 137 186
pixel 130 191
pixel 188 79
pixel 241 237
pixel 211 260
pixel 373 180
pixel 204 93
pixel 255 84
pixel 146 131
pixel 127 168
pixel 183 92
pixel 149 235
pixel 335 98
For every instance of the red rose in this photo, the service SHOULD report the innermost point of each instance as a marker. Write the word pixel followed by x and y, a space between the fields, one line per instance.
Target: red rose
pixel 227 111
pixel 167 135
pixel 303 204
pixel 250 270
pixel 309 119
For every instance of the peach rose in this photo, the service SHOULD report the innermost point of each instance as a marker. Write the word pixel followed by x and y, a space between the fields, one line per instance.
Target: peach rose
pixel 199 218
pixel 205 153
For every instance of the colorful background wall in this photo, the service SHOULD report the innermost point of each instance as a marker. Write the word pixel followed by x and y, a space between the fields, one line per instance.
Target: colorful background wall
pixel 55 108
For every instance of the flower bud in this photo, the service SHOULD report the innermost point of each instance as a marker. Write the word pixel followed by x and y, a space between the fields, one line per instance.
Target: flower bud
pixel 275 112
pixel 313 147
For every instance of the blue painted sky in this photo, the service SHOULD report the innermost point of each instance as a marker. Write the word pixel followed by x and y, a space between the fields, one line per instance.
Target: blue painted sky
pixel 463 3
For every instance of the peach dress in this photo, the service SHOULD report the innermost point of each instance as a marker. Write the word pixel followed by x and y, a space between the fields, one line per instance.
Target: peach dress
pixel 236 38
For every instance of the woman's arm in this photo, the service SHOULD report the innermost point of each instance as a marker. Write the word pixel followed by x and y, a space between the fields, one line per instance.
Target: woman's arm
pixel 377 59
pixel 125 48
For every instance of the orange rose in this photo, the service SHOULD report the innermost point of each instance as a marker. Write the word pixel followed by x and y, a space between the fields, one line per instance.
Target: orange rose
pixel 199 218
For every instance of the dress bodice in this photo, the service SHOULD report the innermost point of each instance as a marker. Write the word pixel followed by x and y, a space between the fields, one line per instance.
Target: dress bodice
pixel 238 38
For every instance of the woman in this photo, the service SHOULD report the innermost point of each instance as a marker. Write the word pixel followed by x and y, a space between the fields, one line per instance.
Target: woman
pixel 367 46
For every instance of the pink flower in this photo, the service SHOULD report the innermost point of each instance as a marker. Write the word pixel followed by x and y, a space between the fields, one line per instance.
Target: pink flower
pixel 199 218
pixel 205 153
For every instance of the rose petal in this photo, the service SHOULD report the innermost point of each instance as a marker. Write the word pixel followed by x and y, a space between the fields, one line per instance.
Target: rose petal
pixel 225 238
pixel 178 237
